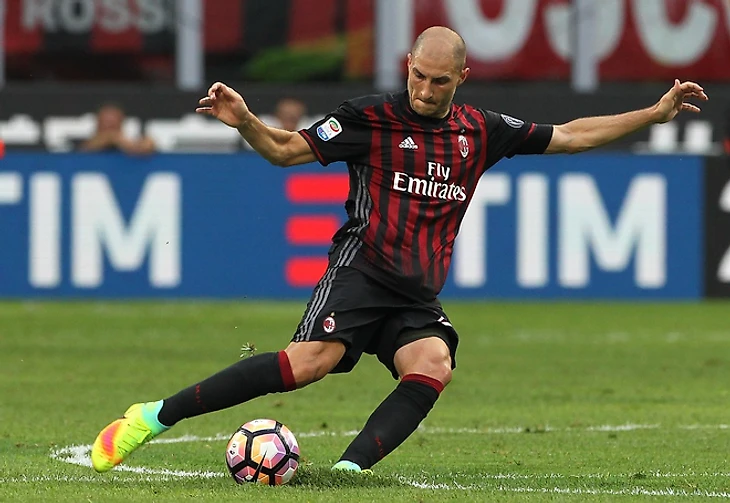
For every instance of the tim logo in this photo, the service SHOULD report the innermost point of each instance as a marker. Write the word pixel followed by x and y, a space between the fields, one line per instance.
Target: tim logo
pixel 316 217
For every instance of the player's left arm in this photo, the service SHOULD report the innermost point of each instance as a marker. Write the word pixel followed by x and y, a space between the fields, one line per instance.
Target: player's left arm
pixel 592 132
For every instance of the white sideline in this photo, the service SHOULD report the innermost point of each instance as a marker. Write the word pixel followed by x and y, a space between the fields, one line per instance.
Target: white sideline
pixel 635 491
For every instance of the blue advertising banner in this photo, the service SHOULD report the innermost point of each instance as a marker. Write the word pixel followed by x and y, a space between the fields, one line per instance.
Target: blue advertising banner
pixel 586 226
pixel 233 226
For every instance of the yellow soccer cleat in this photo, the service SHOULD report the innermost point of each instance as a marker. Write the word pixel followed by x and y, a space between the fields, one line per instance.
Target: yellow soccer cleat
pixel 119 439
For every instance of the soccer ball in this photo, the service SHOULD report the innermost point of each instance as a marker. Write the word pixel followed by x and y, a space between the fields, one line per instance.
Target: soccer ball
pixel 263 451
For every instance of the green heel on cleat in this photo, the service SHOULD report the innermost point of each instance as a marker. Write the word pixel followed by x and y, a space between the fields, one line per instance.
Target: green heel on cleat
pixel 349 466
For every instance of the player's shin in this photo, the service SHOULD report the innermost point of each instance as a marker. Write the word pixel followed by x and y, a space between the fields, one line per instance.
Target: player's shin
pixel 394 420
pixel 244 380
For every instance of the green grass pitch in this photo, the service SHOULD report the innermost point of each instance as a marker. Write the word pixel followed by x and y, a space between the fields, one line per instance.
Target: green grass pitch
pixel 550 402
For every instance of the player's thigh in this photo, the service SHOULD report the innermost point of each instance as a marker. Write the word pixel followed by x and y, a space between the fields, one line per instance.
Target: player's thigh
pixel 311 360
pixel 427 353
pixel 436 357
pixel 337 325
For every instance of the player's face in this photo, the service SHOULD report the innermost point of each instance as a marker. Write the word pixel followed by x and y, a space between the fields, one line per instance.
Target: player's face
pixel 432 82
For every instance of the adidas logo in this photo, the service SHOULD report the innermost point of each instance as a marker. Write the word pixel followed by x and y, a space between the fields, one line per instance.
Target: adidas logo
pixel 408 143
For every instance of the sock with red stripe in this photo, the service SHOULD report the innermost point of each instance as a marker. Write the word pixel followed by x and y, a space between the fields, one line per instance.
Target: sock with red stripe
pixel 394 420
pixel 244 380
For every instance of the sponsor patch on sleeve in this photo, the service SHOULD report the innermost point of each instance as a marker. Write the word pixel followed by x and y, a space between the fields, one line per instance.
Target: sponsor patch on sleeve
pixel 329 129
pixel 512 122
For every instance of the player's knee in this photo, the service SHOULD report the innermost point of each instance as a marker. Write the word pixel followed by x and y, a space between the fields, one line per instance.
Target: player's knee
pixel 312 360
pixel 440 369
pixel 430 357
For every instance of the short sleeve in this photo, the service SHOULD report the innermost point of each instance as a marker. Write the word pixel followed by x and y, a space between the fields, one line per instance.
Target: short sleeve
pixel 508 136
pixel 343 135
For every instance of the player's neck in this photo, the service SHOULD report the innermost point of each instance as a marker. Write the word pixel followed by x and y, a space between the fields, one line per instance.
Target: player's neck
pixel 432 118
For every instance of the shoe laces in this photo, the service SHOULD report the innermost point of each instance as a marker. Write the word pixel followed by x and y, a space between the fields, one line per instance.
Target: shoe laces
pixel 139 432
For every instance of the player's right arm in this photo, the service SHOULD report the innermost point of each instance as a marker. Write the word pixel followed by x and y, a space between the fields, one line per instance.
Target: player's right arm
pixel 279 147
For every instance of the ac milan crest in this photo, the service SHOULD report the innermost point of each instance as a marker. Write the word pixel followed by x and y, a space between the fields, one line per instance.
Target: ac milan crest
pixel 463 146
pixel 329 324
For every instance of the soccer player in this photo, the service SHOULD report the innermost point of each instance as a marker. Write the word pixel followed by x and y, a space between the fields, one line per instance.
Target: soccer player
pixel 414 159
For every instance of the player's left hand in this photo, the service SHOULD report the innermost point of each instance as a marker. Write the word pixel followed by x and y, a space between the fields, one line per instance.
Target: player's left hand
pixel 674 102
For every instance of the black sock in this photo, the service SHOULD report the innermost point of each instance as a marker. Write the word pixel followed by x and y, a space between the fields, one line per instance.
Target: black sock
pixel 250 378
pixel 394 420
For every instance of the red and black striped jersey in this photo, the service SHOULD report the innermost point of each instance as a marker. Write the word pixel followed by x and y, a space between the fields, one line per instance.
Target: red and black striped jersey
pixel 411 179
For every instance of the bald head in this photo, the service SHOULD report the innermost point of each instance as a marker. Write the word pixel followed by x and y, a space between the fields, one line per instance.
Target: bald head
pixel 436 67
pixel 441 42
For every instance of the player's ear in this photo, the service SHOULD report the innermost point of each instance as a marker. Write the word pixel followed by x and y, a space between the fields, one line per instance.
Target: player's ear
pixel 464 74
pixel 410 60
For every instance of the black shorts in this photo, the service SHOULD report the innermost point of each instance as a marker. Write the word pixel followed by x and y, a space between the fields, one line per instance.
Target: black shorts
pixel 349 306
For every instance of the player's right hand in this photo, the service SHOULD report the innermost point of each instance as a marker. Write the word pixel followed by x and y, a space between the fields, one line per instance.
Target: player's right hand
pixel 225 104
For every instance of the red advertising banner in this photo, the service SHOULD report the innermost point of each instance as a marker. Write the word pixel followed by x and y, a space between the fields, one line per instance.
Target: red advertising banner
pixel 123 25
pixel 506 39
pixel 337 34
pixel 635 39
pixel 33 26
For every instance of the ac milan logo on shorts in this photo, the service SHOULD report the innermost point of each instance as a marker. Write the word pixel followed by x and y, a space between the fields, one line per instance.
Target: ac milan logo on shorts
pixel 463 146
pixel 329 324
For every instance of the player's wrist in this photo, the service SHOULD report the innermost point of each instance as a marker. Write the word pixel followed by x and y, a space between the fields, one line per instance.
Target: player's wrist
pixel 656 114
pixel 245 120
